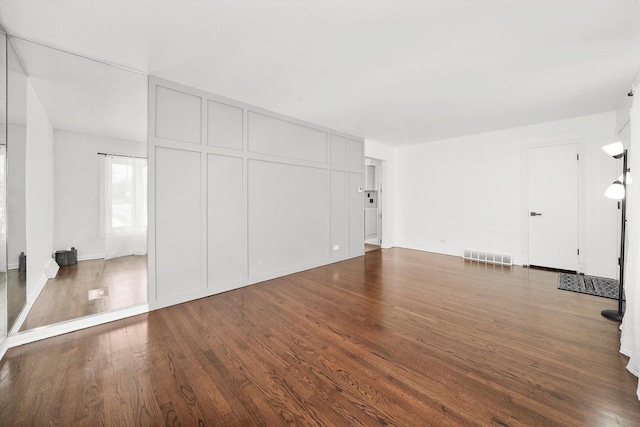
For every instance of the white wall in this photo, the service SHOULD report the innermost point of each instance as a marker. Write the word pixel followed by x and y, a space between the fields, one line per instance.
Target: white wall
pixel 76 207
pixel 467 192
pixel 387 155
pixel 243 194
pixel 39 190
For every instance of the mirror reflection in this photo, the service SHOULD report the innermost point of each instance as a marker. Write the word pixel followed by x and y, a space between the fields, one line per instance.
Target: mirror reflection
pixel 3 215
pixel 98 114
pixel 16 244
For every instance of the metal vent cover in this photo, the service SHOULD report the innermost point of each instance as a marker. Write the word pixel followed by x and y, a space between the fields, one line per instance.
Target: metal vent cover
pixel 488 257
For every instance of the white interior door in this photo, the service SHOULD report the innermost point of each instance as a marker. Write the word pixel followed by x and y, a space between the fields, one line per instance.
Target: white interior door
pixel 553 206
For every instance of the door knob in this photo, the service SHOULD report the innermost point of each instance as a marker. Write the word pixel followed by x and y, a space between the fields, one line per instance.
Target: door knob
pixel 535 214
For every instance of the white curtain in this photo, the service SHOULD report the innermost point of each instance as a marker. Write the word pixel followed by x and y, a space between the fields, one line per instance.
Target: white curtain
pixel 123 205
pixel 630 338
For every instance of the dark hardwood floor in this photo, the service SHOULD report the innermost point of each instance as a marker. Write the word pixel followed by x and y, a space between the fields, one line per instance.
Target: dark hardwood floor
pixel 369 247
pixel 66 296
pixel 397 337
pixel 16 294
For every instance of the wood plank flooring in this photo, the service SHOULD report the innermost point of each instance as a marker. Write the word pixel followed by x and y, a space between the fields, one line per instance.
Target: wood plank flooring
pixel 369 247
pixel 397 337
pixel 66 296
pixel 16 294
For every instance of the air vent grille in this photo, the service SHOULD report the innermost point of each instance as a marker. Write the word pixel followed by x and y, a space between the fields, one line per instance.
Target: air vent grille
pixel 489 257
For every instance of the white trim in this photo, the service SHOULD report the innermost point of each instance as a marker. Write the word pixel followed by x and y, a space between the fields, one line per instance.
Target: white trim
pixel 90 257
pixel 4 346
pixel 100 61
pixel 381 178
pixel 582 198
pixel 51 269
pixel 61 328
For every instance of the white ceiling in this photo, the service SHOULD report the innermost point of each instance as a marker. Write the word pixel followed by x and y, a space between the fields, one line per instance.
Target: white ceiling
pixel 396 72
pixel 86 96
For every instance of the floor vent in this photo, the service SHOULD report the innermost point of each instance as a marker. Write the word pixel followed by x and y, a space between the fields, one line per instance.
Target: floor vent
pixel 489 257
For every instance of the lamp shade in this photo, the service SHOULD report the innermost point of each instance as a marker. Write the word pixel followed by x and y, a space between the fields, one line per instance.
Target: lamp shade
pixel 614 150
pixel 615 191
pixel 628 181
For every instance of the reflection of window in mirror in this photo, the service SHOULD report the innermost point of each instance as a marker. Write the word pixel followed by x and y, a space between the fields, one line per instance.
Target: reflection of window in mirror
pixel 92 108
pixel 123 205
pixel 126 194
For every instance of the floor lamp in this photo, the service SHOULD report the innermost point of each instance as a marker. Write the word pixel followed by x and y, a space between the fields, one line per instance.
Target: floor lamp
pixel 618 191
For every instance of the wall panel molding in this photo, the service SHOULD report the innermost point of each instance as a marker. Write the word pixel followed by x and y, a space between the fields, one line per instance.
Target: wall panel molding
pixel 177 115
pixel 259 189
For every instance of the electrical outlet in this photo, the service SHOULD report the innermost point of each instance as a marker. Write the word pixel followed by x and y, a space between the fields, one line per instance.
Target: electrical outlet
pixel 336 247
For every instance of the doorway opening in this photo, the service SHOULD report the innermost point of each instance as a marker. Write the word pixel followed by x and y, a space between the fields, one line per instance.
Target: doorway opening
pixel 372 204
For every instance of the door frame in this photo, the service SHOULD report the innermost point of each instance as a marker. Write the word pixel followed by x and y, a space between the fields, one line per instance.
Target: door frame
pixel 582 197
pixel 380 170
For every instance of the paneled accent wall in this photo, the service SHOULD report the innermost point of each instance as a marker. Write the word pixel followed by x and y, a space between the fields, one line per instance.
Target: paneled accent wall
pixel 240 195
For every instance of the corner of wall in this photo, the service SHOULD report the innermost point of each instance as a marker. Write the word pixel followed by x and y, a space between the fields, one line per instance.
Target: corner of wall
pixel 39 189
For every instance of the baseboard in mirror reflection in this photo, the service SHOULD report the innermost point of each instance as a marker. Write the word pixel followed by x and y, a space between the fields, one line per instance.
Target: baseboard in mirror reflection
pixel 3 348
pixel 37 334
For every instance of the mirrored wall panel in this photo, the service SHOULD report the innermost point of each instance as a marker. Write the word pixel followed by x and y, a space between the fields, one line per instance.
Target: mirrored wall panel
pixel 16 231
pixel 4 313
pixel 93 170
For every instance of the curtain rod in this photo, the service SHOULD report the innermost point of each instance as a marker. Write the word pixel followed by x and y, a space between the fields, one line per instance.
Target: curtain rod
pixel 122 155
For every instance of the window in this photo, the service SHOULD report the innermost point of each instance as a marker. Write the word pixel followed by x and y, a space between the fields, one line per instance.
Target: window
pixel 125 194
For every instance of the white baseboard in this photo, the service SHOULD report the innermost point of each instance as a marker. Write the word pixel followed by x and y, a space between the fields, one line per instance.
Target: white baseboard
pixel 13 266
pixel 51 269
pixel 90 257
pixel 516 261
pixel 100 256
pixel 4 346
pixel 37 334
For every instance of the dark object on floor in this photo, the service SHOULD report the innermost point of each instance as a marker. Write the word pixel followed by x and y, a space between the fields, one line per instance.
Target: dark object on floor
pixel 591 285
pixel 69 257
pixel 22 262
